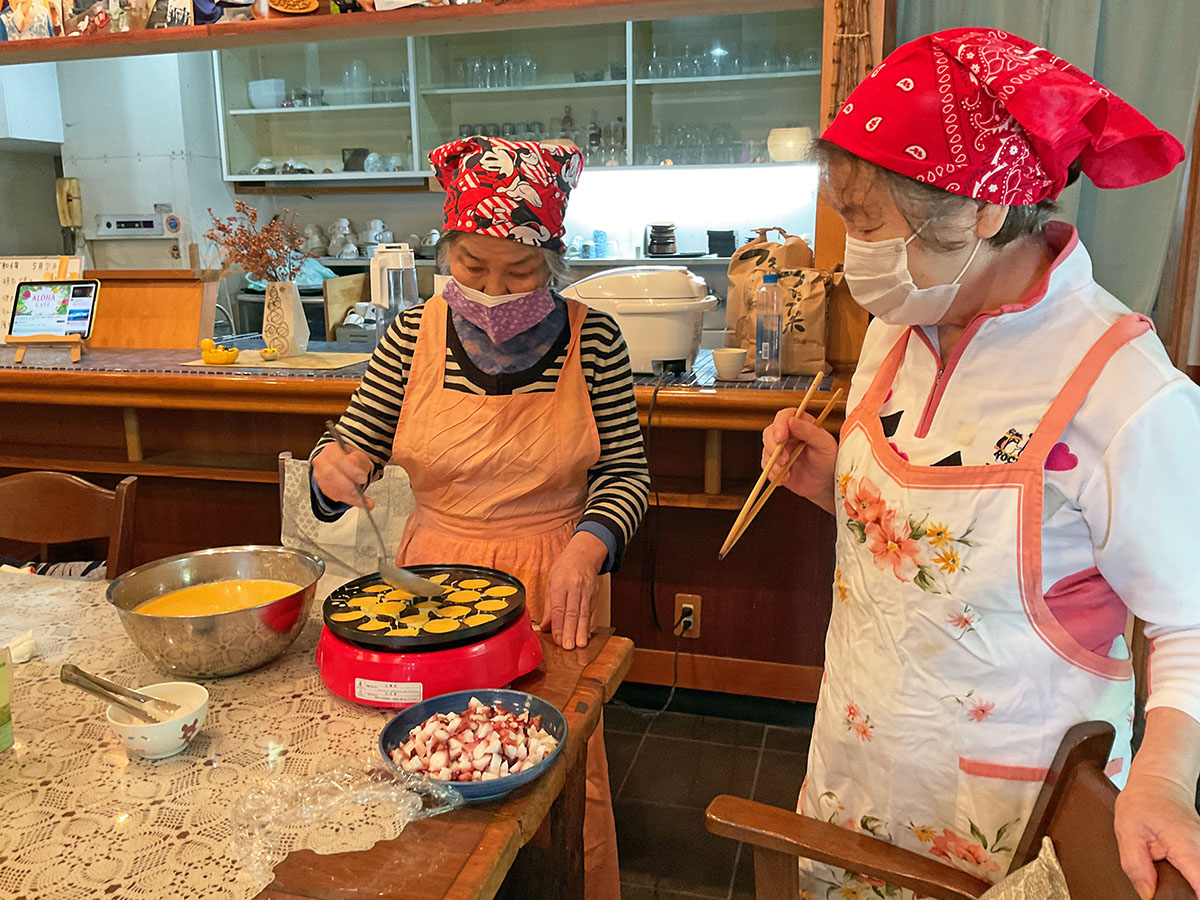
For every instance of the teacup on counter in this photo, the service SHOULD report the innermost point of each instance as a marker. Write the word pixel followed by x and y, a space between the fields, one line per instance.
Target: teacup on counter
pixel 729 362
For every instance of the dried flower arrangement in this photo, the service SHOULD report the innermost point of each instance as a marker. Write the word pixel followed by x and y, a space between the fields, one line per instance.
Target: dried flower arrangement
pixel 269 253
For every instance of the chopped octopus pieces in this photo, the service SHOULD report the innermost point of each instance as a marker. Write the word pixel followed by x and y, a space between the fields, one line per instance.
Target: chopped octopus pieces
pixel 481 743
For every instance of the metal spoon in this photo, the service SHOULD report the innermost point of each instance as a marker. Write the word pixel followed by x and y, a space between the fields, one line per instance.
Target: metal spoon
pixel 392 574
pixel 142 706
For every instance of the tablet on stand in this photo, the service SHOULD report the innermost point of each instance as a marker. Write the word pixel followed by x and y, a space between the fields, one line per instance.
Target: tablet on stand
pixel 52 313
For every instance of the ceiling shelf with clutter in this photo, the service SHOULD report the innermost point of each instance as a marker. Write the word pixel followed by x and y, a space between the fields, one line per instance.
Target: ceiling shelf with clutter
pixel 706 91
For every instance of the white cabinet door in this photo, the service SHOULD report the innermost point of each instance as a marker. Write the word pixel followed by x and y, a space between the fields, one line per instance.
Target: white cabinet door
pixel 30 114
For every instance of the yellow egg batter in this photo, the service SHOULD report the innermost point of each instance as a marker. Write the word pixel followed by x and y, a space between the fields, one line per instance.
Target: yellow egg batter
pixel 439 579
pixel 218 597
pixel 346 616
pixel 479 619
pixel 377 588
pixel 402 632
pixel 440 626
pixel 398 595
pixel 491 605
pixel 464 597
pixel 373 625
pixel 388 608
pixel 474 584
pixel 453 612
pixel 504 590
pixel 416 621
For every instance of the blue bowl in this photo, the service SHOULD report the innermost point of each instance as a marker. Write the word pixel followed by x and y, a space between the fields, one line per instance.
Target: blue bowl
pixel 395 733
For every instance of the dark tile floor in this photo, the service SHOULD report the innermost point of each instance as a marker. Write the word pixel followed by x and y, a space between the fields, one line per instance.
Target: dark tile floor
pixel 666 768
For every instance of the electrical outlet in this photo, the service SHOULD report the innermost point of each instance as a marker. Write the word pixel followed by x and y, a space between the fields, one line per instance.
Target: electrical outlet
pixel 692 600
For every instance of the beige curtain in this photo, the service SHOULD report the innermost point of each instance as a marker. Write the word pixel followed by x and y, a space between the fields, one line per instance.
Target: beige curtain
pixel 1148 52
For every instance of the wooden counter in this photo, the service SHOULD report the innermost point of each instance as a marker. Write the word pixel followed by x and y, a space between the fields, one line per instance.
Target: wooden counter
pixel 204 445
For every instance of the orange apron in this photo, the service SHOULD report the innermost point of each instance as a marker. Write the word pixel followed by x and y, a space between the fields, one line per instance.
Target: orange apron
pixel 501 481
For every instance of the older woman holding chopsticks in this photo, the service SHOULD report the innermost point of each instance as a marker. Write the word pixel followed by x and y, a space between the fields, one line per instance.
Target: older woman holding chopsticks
pixel 1016 475
pixel 512 410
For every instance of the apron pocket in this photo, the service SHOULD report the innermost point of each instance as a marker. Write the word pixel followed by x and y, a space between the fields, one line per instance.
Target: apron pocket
pixel 994 802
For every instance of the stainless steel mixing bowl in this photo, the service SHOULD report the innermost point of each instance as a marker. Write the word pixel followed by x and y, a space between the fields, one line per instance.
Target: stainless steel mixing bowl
pixel 225 643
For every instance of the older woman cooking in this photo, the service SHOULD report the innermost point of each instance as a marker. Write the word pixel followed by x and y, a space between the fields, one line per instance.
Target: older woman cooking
pixel 512 410
pixel 1016 473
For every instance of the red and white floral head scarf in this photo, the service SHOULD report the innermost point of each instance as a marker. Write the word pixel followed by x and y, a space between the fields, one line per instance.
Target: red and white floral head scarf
pixel 989 115
pixel 508 189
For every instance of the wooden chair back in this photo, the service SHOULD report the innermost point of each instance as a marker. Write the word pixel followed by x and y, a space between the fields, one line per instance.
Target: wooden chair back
pixel 1075 808
pixel 47 508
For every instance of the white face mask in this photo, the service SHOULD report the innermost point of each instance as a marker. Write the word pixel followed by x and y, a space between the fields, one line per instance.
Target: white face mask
pixel 487 299
pixel 878 277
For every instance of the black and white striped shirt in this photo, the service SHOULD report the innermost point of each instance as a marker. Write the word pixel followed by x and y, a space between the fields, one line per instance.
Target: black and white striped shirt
pixel 619 482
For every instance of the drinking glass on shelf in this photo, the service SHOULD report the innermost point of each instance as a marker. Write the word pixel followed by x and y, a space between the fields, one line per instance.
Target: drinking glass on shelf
pixel 465 131
pixel 508 70
pixel 460 72
pixel 525 70
pixel 811 58
pixel 491 129
pixel 699 63
pixel 475 74
pixel 718 60
pixel 508 130
pixel 681 63
pixel 654 64
pixel 492 72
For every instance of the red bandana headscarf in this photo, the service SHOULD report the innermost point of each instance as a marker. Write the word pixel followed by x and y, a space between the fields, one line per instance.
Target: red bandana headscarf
pixel 508 189
pixel 989 115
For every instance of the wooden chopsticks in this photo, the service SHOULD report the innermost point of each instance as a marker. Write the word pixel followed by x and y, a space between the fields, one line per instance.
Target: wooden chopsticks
pixel 754 503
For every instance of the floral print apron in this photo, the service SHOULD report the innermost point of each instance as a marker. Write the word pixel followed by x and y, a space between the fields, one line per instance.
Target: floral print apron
pixel 948 682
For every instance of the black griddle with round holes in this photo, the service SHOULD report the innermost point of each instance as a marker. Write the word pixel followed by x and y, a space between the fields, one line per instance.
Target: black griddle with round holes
pixel 344 600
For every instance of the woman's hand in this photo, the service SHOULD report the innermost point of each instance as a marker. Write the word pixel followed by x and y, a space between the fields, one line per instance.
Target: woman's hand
pixel 568 612
pixel 1156 819
pixel 336 473
pixel 1156 813
pixel 813 474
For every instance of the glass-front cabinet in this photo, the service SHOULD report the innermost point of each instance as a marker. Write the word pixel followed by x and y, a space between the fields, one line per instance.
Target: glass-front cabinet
pixel 695 91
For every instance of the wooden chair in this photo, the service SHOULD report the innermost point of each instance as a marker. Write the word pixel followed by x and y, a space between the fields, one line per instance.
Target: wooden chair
pixel 1075 808
pixel 55 508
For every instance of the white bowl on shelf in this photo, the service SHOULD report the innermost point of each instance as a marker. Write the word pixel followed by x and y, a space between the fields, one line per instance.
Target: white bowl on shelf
pixel 267 93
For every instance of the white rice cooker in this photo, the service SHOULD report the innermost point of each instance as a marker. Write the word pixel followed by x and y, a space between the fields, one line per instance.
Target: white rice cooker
pixel 660 310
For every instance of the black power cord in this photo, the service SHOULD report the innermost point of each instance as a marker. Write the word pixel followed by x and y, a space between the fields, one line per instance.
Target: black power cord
pixel 652 535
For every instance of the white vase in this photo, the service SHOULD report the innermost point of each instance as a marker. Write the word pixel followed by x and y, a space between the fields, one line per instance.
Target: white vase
pixel 284 326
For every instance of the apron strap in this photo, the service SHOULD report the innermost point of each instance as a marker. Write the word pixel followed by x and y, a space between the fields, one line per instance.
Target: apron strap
pixel 884 378
pixel 1075 391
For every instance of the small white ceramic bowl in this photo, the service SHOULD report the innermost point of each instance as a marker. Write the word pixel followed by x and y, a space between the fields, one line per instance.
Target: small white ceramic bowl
pixel 266 93
pixel 729 362
pixel 162 739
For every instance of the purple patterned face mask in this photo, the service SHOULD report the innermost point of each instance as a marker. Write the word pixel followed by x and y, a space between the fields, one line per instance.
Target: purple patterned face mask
pixel 502 318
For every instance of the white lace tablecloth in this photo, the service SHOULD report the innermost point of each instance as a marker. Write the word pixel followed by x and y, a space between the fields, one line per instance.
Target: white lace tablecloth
pixel 82 819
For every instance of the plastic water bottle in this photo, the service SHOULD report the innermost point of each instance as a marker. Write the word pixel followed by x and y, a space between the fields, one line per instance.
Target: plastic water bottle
pixel 768 322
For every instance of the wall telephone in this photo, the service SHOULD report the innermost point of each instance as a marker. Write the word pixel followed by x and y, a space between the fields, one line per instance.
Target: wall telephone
pixel 69 200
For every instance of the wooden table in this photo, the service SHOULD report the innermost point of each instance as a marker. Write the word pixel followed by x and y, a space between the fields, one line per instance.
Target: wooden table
pixel 68 768
pixel 534 836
